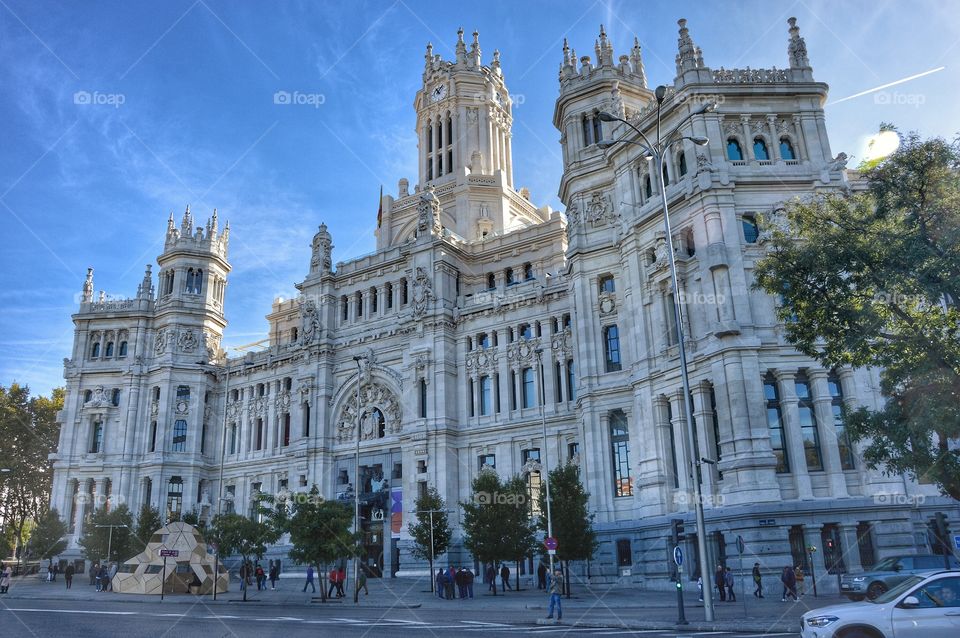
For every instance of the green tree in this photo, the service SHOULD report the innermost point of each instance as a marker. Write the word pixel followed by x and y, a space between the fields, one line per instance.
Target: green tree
pixel 320 532
pixel 572 522
pixel 148 522
pixel 496 522
pixel 432 532
pixel 872 279
pixel 238 535
pixel 28 435
pixel 47 539
pixel 108 535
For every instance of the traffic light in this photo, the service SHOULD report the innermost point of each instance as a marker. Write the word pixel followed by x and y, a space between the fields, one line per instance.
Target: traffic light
pixel 676 531
pixel 940 526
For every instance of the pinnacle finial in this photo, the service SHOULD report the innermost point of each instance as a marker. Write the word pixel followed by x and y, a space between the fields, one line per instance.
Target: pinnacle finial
pixel 797 47
pixel 460 34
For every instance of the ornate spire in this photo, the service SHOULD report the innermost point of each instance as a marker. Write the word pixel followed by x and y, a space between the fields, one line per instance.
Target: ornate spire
pixel 495 64
pixel 689 55
pixel 604 49
pixel 797 48
pixel 636 62
pixel 186 225
pixel 322 260
pixel 87 296
pixel 461 48
pixel 428 59
pixel 475 59
pixel 145 289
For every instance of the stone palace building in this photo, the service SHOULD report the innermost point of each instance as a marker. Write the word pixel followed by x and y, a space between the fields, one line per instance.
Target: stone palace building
pixel 479 310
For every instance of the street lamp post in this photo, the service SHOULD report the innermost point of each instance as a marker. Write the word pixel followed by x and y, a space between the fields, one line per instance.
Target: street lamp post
pixel 546 446
pixel 356 479
pixel 110 537
pixel 658 152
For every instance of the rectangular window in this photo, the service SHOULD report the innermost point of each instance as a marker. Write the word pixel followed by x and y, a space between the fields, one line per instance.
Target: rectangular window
pixel 153 436
pixel 486 460
pixel 306 420
pixel 674 466
pixel 868 556
pixel 528 388
pixel 573 450
pixel 423 398
pixel 96 438
pixel 611 344
pixel 620 448
pixel 286 429
pixel 530 454
pixel 716 430
pixel 778 442
pixel 183 392
pixel 496 393
pixel 471 398
pixel 558 382
pixel 259 434
pixel 513 390
pixel 179 436
pixel 808 424
pixel 571 381
pixel 203 437
pixel 229 499
pixel 233 438
pixel 843 437
pixel 670 319
pixel 486 396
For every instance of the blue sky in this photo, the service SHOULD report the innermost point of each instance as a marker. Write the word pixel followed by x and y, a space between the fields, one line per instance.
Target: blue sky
pixel 186 116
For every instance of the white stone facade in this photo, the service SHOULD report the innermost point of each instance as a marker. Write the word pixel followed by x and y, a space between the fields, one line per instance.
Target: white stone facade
pixel 470 284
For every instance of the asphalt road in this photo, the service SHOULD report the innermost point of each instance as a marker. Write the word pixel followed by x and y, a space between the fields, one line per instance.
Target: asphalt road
pixel 156 620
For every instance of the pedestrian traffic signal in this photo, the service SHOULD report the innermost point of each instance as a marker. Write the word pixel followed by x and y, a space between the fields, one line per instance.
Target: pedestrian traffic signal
pixel 676 531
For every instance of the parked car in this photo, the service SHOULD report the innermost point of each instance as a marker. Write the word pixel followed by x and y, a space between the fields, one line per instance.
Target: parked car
pixel 925 605
pixel 888 573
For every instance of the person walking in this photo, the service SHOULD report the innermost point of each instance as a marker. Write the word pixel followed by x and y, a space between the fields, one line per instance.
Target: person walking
pixel 274 574
pixel 68 575
pixel 728 581
pixel 505 577
pixel 5 577
pixel 461 584
pixel 309 580
pixel 362 583
pixel 554 590
pixel 491 577
pixel 468 580
pixel 700 588
pixel 757 581
pixel 332 579
pixel 450 582
pixel 799 577
pixel 260 576
pixel 341 581
pixel 94 568
pixel 102 578
pixel 720 582
pixel 789 580
pixel 541 576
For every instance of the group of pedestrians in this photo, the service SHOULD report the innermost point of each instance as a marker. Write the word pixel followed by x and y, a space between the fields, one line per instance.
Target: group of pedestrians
pixel 454 583
pixel 723 581
pixel 490 577
pixel 793 581
pixel 101 575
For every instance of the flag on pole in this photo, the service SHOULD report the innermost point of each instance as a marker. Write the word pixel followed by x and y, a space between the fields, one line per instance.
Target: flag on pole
pixel 380 211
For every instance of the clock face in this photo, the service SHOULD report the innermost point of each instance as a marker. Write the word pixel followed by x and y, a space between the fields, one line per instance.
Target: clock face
pixel 439 92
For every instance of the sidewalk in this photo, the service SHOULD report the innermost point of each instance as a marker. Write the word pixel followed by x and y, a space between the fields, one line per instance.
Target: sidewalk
pixel 614 606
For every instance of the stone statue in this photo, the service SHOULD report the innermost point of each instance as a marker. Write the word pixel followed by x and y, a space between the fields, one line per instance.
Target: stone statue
pixel 422 293
pixel 309 321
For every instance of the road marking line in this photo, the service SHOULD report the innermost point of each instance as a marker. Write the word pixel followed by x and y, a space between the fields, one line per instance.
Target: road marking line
pixel 486 624
pixel 74 611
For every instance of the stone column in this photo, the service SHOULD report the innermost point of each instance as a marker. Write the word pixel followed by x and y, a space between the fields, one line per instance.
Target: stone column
pixel 850 548
pixel 704 425
pixel 828 432
pixel 798 138
pixel 679 428
pixel 747 139
pixel 548 390
pixel 774 138
pixel 794 441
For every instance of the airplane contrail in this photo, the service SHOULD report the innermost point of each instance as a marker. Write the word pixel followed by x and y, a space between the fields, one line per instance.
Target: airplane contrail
pixel 884 86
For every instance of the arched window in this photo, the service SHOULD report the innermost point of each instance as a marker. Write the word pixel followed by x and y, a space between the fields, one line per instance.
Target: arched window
pixel 808 424
pixel 682 163
pixel 294 334
pixel 760 149
pixel 389 295
pixel 751 231
pixel 786 149
pixel 373 300
pixel 115 397
pixel 491 282
pixel 778 439
pixel 344 308
pixel 647 187
pixel 528 393
pixel 123 349
pixel 404 292
pixel 508 277
pixel 527 271
pixel 526 332
pixel 734 152
pixel 109 351
pixel 607 284
pixel 844 443
pixel 689 243
pixel 87 396
pixel 379 423
pixel 95 350
pixel 666 176
pixel 179 436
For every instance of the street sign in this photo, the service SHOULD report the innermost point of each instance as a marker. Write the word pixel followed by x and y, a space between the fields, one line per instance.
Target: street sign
pixel 551 544
pixel 172 553
pixel 956 541
pixel 740 545
pixel 551 552
pixel 678 556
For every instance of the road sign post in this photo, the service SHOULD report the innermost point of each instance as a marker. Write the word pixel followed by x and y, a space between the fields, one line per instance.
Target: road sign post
pixel 678 559
pixel 743 592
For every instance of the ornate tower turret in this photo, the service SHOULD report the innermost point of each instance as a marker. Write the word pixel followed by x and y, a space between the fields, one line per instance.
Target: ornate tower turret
pixel 690 66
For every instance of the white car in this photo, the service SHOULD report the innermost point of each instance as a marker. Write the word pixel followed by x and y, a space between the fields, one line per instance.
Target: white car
pixel 924 605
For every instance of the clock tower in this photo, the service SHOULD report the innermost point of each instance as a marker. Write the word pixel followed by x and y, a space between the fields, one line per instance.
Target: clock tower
pixel 463 117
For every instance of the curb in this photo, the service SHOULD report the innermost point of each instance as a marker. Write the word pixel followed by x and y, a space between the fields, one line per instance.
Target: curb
pixel 673 626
